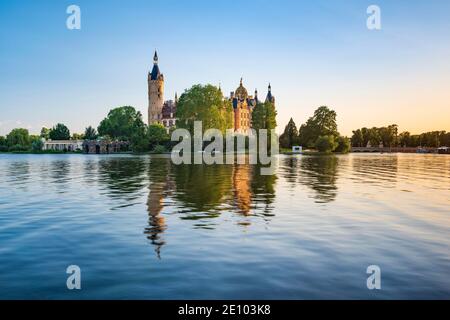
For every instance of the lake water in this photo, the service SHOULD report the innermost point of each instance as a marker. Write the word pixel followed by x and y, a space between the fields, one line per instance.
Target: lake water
pixel 140 227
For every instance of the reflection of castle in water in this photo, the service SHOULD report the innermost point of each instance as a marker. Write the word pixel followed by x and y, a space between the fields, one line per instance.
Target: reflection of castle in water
pixel 204 193
pixel 241 188
pixel 156 222
pixel 160 186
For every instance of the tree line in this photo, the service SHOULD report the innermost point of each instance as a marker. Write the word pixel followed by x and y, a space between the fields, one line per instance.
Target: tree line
pixel 207 104
pixel 319 132
pixel 199 103
pixel 389 137
pixel 19 139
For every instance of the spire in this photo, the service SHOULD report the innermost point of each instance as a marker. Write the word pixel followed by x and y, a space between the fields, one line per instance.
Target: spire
pixel 256 95
pixel 269 97
pixel 176 97
pixel 155 74
pixel 241 82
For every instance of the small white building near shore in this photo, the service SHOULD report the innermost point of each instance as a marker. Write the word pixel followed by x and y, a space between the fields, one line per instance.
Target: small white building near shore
pixel 63 145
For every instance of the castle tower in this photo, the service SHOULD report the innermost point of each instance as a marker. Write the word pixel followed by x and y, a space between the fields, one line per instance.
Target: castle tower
pixel 155 93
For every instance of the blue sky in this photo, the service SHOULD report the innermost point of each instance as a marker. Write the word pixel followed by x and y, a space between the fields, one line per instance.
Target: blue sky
pixel 312 52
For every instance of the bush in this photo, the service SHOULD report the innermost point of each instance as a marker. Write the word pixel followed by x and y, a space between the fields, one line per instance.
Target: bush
pixel 159 149
pixel 3 148
pixel 325 144
pixel 139 142
pixel 344 145
pixel 37 145
pixel 18 147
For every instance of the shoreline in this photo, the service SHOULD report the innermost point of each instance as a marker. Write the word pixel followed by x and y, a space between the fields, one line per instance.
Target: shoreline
pixel 304 153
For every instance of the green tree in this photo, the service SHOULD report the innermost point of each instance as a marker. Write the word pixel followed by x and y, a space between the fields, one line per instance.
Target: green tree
pixel 289 137
pixel 414 141
pixel 374 137
pixel 307 134
pixel 45 133
pixel 388 135
pixel 77 136
pixel 343 145
pixel 326 143
pixel 393 129
pixel 34 138
pixel 37 145
pixel 357 138
pixel 325 121
pixel 139 140
pixel 122 123
pixel 3 144
pixel 90 133
pixel 59 132
pixel 264 116
pixel 206 104
pixel 366 136
pixel 404 139
pixel 18 138
pixel 444 139
pixel 157 135
pixel 322 123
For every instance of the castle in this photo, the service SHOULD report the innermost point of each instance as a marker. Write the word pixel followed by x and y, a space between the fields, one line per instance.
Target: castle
pixel 159 111
pixel 164 112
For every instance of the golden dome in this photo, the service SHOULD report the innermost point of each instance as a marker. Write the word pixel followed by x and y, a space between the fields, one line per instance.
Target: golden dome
pixel 241 93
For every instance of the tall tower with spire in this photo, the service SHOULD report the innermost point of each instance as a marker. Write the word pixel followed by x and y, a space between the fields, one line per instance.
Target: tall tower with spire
pixel 155 93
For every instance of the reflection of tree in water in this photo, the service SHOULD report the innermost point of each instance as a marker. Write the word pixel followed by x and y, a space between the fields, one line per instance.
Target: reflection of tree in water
pixel 160 186
pixel 123 177
pixel 289 168
pixel 320 174
pixel 60 171
pixel 207 190
pixel 380 169
pixel 263 191
pixel 18 173
pixel 202 188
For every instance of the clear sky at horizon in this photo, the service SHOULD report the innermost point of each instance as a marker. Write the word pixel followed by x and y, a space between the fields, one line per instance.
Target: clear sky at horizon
pixel 312 52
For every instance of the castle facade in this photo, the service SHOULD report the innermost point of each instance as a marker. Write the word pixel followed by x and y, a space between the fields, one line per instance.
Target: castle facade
pixel 243 105
pixel 164 112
